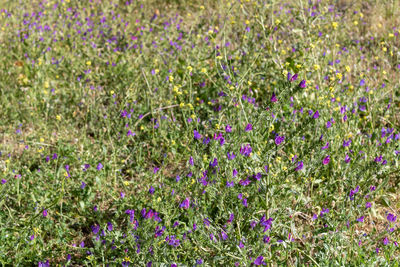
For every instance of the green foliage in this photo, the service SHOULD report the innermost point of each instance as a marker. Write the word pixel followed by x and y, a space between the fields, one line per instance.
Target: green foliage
pixel 175 133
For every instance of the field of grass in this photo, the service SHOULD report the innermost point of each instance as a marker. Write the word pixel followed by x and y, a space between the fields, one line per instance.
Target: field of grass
pixel 213 133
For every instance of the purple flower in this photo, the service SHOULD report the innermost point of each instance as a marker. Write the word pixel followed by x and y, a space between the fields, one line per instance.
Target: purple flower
pixel 244 202
pixel 279 140
pixel 86 166
pixel 266 239
pixel 266 223
pixel 391 218
pixel 191 162
pixel 131 214
pixel 83 185
pixel 259 261
pixel 266 168
pixel 372 188
pixel 196 134
pixel 151 190
pixel 246 150
pixel 230 156
pixel 291 78
pixel 99 166
pixel 273 98
pixel 368 205
pixel 214 163
pixel 323 212
pixel 302 84
pixel 299 166
pixel 353 192
pixel 231 217
pixel 109 226
pixel 386 241
pixel 326 146
pixel 224 236
pixel 316 115
pixel 206 222
pixel 362 82
pixel 346 143
pixel 361 219
pixel 249 127
pixel 159 232
pixel 3 181
pixel 155 170
pixel 44 213
pixel 44 264
pixel 185 204
pixel 245 182
pixel 326 160
pixel 95 229
pixel 228 128
pixel 230 184
pixel 234 173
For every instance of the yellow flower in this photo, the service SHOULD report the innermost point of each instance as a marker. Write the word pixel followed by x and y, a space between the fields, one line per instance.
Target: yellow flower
pixel 171 78
pixel 271 128
pixel 348 68
pixel 334 25
pixel 58 117
pixel 88 63
pixel 203 70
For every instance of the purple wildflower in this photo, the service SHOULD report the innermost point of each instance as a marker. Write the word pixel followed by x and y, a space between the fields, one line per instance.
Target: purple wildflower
pixel 273 98
pixel 185 204
pixel 249 127
pixel 299 166
pixel 99 166
pixel 326 160
pixel 302 84
pixel 259 261
pixel 279 140
pixel 196 134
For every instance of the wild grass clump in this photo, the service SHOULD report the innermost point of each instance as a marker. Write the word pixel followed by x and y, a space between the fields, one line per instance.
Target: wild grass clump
pixel 223 133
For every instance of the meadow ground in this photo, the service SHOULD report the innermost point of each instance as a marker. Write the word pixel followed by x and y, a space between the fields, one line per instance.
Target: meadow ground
pixel 214 133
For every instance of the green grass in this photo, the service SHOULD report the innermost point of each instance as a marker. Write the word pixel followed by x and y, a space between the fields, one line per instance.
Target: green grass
pixel 115 123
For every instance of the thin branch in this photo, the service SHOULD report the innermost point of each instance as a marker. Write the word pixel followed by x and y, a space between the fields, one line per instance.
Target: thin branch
pixel 157 109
